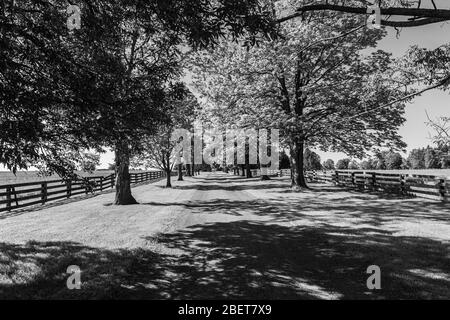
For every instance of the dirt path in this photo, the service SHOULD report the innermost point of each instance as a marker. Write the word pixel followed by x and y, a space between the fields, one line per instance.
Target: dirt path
pixel 220 236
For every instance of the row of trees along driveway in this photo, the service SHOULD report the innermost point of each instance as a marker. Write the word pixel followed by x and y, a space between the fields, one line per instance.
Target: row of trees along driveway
pixel 108 84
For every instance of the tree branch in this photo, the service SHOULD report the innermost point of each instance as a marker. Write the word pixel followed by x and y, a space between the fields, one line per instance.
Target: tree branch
pixel 426 16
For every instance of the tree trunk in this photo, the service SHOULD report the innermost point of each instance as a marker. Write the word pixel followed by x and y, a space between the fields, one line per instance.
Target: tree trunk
pixel 193 170
pixel 123 181
pixel 297 174
pixel 168 178
pixel 243 170
pixel 248 171
pixel 188 170
pixel 264 173
pixel 180 172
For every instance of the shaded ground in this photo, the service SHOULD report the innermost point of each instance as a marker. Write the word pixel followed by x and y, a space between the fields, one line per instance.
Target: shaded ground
pixel 220 236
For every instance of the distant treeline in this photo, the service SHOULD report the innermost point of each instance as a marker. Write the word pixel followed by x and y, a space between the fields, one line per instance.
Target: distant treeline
pixel 422 158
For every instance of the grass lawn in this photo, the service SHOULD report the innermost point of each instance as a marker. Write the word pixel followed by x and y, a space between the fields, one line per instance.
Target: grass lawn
pixel 218 236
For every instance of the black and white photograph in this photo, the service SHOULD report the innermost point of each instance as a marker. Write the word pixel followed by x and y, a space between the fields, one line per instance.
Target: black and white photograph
pixel 192 151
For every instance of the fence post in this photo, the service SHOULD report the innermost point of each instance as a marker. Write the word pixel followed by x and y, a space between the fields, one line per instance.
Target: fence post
pixel 374 180
pixel 336 178
pixel 69 188
pixel 43 192
pixel 353 179
pixel 442 190
pixel 8 198
pixel 101 184
pixel 402 184
pixel 365 181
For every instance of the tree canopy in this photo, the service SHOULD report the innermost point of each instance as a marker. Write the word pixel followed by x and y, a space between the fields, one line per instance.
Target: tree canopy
pixel 102 84
pixel 395 13
pixel 312 83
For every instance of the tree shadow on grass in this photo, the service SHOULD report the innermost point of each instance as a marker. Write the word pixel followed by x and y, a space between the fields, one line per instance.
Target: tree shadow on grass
pixel 234 185
pixel 60 202
pixel 356 209
pixel 235 260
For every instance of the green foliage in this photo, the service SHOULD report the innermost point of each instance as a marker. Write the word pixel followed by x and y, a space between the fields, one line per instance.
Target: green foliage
pixel 367 165
pixel 431 159
pixel 312 90
pixel 311 160
pixel 353 165
pixel 89 162
pixel 343 164
pixel 328 165
pixel 383 160
pixel 393 160
pixel 285 162
pixel 422 66
pixel 181 108
pixel 416 159
pixel 102 85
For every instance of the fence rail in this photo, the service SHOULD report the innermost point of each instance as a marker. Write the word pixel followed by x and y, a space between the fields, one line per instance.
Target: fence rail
pixel 426 186
pixel 20 195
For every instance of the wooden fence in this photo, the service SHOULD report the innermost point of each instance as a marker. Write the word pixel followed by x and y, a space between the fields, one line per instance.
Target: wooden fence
pixel 20 195
pixel 426 186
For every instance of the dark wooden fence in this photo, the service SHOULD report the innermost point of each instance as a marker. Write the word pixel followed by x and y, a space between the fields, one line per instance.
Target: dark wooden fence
pixel 426 186
pixel 20 195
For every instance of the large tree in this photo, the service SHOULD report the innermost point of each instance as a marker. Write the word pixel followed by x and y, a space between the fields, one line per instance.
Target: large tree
pixel 398 14
pixel 314 84
pixel 100 85
pixel 179 113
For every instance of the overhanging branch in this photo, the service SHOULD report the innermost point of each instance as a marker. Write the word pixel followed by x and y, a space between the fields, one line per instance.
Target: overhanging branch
pixel 422 16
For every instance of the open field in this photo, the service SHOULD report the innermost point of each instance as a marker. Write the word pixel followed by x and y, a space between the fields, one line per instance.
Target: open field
pixel 7 177
pixel 425 172
pixel 222 236
pixel 31 176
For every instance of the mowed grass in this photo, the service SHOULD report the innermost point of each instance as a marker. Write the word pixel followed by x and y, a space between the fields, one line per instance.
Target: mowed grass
pixel 219 236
